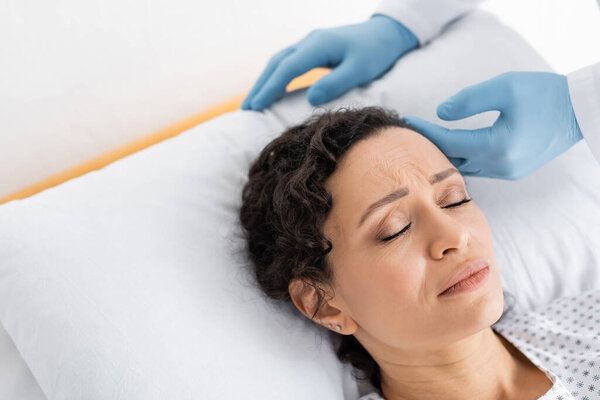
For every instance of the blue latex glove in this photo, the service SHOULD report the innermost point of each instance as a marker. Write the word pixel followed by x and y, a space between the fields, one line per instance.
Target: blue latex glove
pixel 536 124
pixel 357 53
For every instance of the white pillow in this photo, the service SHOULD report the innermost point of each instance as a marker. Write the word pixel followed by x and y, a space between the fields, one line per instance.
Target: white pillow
pixel 131 282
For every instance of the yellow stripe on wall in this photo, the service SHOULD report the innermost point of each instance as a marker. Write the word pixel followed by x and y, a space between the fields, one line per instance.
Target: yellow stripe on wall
pixel 103 160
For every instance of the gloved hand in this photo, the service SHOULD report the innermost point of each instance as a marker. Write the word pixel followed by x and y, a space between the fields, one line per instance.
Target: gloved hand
pixel 536 124
pixel 357 53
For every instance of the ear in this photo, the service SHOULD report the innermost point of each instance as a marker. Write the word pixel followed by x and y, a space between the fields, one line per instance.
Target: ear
pixel 304 296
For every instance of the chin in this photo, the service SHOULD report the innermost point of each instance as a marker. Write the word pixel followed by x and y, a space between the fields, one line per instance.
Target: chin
pixel 492 302
pixel 486 308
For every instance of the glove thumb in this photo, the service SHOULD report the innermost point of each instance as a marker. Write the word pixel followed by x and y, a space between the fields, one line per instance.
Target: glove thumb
pixel 485 96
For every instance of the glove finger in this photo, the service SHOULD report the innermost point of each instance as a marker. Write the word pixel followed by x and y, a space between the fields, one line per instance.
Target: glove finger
pixel 485 96
pixel 456 143
pixel 301 61
pixel 337 82
pixel 472 173
pixel 271 65
pixel 468 168
pixel 465 166
pixel 457 162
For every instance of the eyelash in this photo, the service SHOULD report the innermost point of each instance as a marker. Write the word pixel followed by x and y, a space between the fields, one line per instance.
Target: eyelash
pixel 403 231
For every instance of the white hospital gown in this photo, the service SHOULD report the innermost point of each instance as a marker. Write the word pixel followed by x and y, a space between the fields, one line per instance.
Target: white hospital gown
pixel 563 340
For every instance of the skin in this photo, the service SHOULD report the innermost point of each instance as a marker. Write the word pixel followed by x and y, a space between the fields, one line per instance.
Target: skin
pixel 386 293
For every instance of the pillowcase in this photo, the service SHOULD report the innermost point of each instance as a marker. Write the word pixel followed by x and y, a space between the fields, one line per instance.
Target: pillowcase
pixel 132 282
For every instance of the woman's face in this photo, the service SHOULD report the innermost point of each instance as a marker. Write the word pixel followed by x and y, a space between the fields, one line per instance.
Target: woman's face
pixel 388 291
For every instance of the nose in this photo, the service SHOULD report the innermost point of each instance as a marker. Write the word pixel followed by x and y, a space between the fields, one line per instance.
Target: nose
pixel 446 233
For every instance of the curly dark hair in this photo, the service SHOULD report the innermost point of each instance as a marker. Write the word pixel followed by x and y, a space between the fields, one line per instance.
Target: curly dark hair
pixel 285 204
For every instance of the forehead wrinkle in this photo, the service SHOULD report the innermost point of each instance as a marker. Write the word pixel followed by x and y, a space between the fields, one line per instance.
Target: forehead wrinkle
pixel 399 170
pixel 397 173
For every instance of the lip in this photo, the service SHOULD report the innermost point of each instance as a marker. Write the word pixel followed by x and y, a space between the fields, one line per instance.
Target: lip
pixel 464 272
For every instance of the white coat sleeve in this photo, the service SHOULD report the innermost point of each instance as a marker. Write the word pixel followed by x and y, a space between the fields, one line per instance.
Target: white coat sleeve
pixel 425 18
pixel 584 89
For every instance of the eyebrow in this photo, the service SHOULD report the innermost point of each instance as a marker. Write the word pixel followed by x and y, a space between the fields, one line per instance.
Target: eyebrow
pixel 395 195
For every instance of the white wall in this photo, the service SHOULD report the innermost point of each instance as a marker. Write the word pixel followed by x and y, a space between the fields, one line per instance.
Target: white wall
pixel 79 78
pixel 565 32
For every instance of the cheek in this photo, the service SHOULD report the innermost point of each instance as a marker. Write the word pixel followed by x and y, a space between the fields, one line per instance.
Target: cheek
pixel 481 229
pixel 389 304
pixel 380 284
pixel 392 287
pixel 485 240
pixel 401 276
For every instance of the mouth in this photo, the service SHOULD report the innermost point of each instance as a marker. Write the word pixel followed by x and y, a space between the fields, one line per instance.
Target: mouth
pixel 469 277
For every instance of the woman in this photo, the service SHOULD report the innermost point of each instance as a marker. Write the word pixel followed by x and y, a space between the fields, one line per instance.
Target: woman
pixel 369 230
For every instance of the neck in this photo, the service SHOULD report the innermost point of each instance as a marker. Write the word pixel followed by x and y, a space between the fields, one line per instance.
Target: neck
pixel 483 365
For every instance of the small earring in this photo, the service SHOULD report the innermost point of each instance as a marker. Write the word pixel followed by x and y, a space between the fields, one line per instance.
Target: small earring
pixel 338 328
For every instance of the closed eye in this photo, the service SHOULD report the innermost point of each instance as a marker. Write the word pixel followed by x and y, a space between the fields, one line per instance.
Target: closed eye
pixel 405 229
